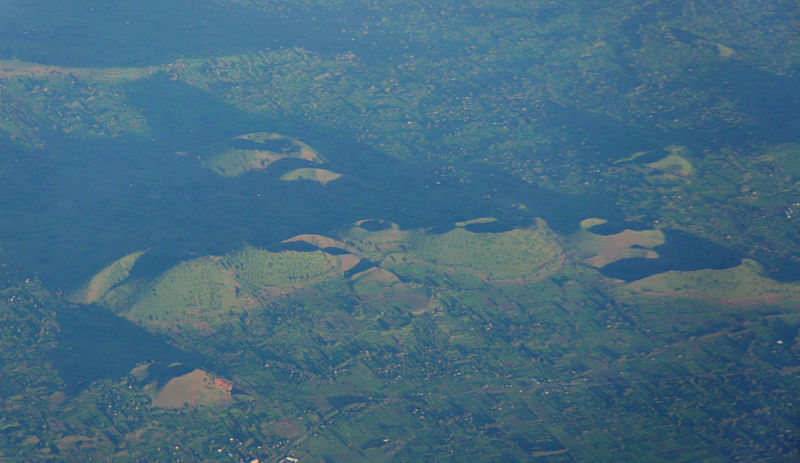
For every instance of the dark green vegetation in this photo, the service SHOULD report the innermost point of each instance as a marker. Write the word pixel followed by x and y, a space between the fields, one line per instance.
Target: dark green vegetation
pixel 563 231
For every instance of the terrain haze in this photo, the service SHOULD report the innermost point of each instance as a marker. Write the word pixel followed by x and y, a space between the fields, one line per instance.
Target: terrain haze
pixel 373 230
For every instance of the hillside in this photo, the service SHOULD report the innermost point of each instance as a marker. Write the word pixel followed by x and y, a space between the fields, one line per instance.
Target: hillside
pixel 382 231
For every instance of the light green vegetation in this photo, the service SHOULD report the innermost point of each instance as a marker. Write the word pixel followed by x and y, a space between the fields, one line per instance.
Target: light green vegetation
pixel 724 50
pixel 37 104
pixel 281 270
pixel 674 164
pixel 203 292
pixel 10 68
pixel 374 245
pixel 464 223
pixel 319 241
pixel 206 290
pixel 542 368
pixel 375 281
pixel 586 224
pixel 232 162
pixel 729 199
pixel 460 346
pixel 199 290
pixel 417 107
pixel 519 254
pixel 630 158
pixel 391 108
pixel 599 251
pixel 745 285
pixel 315 175
pixel 107 278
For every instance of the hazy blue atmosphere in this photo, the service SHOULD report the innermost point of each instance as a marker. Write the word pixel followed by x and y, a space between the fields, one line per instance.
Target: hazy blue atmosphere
pixel 358 230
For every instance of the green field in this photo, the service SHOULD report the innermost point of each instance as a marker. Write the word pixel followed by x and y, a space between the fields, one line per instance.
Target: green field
pixel 315 175
pixel 107 279
pixel 599 251
pixel 745 285
pixel 370 231
pixel 232 162
pixel 209 289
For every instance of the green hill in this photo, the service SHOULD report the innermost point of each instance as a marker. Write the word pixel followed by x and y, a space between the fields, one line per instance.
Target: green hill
pixel 255 151
pixel 107 278
pixel 315 175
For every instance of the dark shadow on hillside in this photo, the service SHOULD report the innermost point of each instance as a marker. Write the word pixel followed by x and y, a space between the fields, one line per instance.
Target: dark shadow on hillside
pixel 95 344
pixel 772 101
pixel 100 200
pixel 185 117
pixel 681 251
